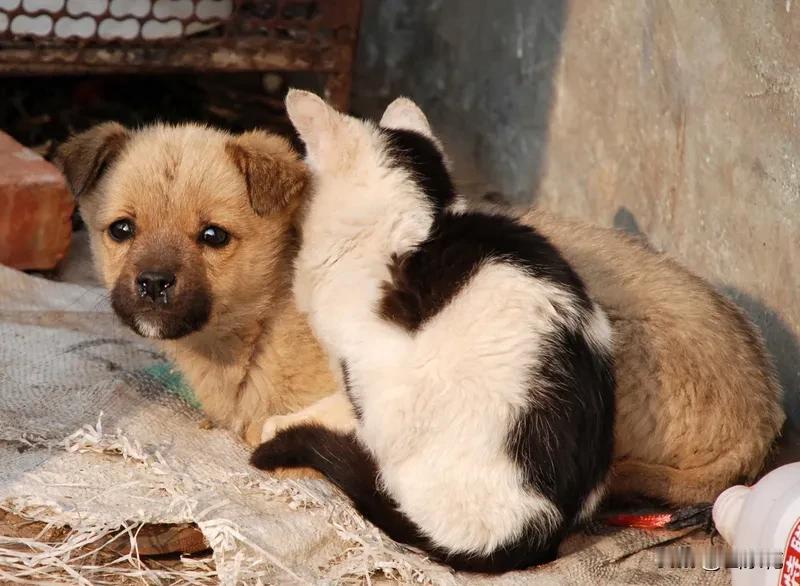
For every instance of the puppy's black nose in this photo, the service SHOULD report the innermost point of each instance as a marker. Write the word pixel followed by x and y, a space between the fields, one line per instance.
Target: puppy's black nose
pixel 154 284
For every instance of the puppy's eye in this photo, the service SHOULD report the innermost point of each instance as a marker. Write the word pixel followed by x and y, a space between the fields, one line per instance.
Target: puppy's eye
pixel 214 236
pixel 121 230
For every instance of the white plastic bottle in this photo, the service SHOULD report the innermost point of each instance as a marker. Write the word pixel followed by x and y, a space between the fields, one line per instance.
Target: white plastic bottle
pixel 761 523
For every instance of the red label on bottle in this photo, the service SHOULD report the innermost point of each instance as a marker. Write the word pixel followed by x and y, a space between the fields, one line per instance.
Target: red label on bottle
pixel 790 572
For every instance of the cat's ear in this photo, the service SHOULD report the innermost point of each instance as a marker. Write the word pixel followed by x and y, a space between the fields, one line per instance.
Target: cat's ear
pixel 403 114
pixel 317 123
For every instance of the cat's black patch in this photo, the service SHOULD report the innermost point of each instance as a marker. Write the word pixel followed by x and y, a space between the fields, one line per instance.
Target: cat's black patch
pixel 350 466
pixel 423 160
pixel 578 419
pixel 425 279
pixel 564 446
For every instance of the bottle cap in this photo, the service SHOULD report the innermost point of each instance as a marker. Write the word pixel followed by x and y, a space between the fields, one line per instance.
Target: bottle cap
pixel 727 509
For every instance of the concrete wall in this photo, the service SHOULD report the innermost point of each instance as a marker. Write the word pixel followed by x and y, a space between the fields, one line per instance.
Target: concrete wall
pixel 679 120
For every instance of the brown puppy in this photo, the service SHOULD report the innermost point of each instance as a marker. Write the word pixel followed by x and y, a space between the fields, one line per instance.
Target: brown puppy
pixel 192 232
pixel 698 404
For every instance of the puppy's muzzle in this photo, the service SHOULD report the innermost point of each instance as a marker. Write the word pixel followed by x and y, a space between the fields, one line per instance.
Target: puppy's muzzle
pixel 154 285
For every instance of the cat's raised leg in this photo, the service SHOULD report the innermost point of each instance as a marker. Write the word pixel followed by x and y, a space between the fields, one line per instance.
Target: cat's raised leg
pixel 334 412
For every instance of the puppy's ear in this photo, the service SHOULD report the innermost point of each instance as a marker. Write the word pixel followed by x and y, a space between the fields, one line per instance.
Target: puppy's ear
pixel 316 122
pixel 86 156
pixel 403 114
pixel 275 177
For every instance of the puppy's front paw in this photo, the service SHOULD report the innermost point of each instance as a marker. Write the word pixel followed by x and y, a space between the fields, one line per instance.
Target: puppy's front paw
pixel 296 473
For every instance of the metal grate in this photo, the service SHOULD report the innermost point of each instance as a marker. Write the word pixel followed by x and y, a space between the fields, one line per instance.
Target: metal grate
pixel 116 36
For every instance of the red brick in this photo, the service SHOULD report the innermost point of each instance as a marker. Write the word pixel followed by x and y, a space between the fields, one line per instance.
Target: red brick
pixel 35 209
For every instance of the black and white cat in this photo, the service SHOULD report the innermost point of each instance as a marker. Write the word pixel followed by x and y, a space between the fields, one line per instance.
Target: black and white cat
pixel 477 365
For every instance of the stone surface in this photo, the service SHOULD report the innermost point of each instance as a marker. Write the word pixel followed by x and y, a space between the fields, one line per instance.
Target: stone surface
pixel 35 209
pixel 677 120
pixel 483 72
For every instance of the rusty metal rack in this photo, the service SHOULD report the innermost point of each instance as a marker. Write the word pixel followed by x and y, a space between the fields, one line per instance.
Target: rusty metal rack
pixel 56 37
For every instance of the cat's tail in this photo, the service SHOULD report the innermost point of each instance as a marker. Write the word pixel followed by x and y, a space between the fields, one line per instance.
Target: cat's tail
pixel 351 467
pixel 348 465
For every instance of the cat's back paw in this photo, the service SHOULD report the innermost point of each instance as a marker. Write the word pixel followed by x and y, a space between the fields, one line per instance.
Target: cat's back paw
pixel 278 423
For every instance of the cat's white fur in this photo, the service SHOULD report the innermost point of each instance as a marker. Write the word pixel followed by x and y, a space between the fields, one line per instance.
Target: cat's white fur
pixel 423 395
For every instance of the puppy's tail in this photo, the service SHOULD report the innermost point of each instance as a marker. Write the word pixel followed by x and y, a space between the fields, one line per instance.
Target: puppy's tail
pixel 677 486
pixel 351 467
